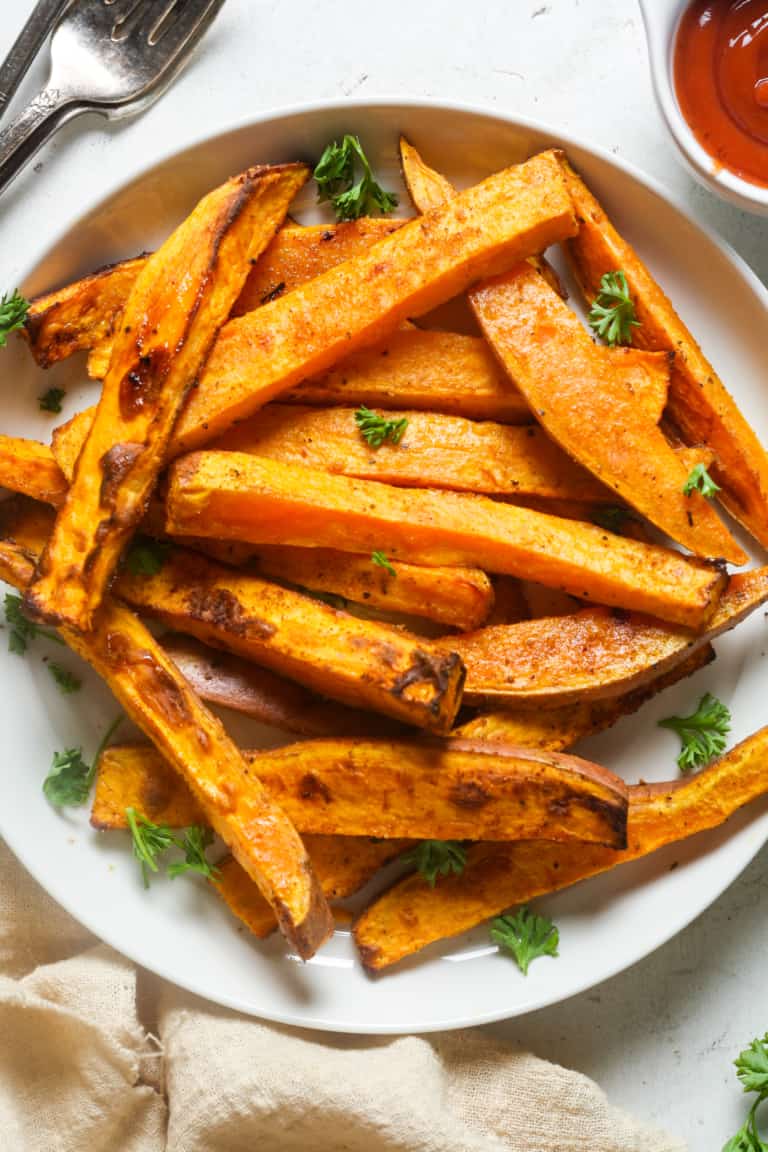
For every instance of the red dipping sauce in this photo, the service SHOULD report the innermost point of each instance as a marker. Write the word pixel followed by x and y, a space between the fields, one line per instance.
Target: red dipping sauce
pixel 721 79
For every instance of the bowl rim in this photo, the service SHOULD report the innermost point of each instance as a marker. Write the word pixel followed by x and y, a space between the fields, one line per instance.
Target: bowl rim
pixel 356 105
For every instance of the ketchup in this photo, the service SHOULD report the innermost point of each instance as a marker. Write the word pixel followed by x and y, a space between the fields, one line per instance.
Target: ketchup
pixel 721 79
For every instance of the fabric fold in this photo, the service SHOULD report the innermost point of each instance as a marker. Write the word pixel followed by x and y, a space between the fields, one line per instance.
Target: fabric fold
pixel 79 1069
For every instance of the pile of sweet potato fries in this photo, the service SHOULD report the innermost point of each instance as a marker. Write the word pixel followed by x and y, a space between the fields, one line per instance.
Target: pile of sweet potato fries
pixel 518 503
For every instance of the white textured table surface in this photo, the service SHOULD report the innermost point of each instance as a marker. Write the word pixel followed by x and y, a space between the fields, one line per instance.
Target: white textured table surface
pixel 660 1037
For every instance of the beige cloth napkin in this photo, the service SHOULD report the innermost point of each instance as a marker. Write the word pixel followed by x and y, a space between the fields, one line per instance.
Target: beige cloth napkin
pixel 97 1056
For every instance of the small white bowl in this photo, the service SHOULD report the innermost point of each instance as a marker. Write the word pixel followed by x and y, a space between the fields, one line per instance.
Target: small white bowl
pixel 661 20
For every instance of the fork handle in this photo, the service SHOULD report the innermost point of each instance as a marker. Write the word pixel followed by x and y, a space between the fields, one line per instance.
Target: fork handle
pixel 28 43
pixel 24 136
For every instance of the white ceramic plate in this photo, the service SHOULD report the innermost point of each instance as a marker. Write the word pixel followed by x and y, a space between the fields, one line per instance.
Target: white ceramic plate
pixel 180 930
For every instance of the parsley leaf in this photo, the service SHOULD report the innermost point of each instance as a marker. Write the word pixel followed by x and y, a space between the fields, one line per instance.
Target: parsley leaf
pixel 526 936
pixel 145 557
pixel 194 844
pixel 376 429
pixel 702 734
pixel 66 681
pixel 699 480
pixel 612 314
pixel 149 841
pixel 23 630
pixel 380 559
pixel 433 858
pixel 13 313
pixel 752 1066
pixel 50 401
pixel 335 175
pixel 752 1070
pixel 69 781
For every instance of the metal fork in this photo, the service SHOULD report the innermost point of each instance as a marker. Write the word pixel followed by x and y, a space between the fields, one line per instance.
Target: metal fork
pixel 114 57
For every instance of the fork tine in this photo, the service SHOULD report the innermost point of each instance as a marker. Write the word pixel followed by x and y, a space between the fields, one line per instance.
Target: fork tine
pixel 177 24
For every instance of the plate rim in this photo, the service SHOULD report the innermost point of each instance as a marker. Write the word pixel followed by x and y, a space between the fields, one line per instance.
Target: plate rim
pixel 358 107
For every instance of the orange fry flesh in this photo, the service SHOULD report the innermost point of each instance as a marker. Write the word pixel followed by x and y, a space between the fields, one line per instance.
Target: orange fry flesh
pixel 228 495
pixel 179 300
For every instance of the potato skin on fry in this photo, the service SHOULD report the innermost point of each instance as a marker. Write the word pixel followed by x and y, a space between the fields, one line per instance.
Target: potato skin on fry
pixel 499 876
pixel 591 654
pixel 231 495
pixel 84 315
pixel 81 314
pixel 457 790
pixel 175 308
pixel 554 729
pixel 359 662
pixel 221 678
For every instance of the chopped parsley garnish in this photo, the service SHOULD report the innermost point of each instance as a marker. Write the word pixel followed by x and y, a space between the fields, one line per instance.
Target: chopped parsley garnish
pixel 702 734
pixel 13 313
pixel 381 559
pixel 612 314
pixel 67 683
pixel 752 1070
pixel 151 841
pixel 22 629
pixel 50 401
pixel 345 180
pixel 525 936
pixel 699 480
pixel 433 858
pixel 69 781
pixel 376 429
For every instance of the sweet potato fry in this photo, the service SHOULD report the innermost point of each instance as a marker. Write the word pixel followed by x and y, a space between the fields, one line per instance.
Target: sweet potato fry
pixel 426 371
pixel 84 315
pixel 224 679
pixel 178 302
pixel 556 729
pixel 486 228
pixel 457 597
pixel 360 662
pixel 455 374
pixel 233 496
pixel 587 408
pixel 67 441
pixel 498 876
pixel 342 864
pixel 26 523
pixel 591 654
pixel 30 468
pixel 136 776
pixel 699 403
pixel 571 385
pixel 458 790
pixel 160 701
pixel 435 451
pixel 80 315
